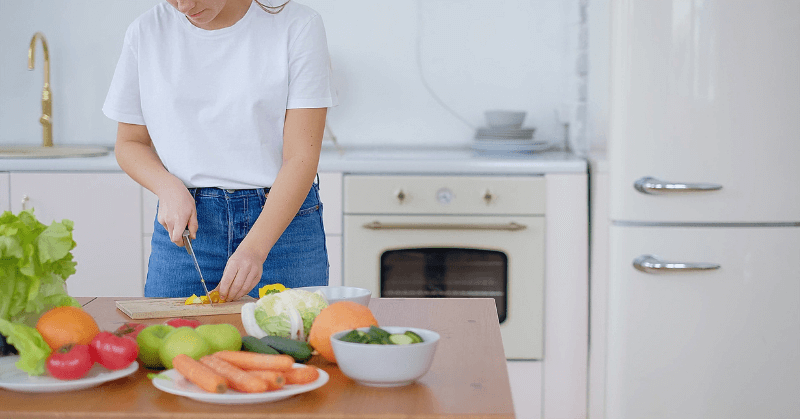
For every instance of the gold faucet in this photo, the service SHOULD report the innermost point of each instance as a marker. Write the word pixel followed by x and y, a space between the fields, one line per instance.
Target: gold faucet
pixel 47 95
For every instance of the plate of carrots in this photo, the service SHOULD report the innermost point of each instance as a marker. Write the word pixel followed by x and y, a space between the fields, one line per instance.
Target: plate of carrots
pixel 234 377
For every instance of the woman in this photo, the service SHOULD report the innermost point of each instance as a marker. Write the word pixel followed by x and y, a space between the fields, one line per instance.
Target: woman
pixel 221 104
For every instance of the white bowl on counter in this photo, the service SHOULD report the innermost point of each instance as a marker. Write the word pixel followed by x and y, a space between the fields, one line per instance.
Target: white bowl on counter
pixel 336 294
pixel 385 365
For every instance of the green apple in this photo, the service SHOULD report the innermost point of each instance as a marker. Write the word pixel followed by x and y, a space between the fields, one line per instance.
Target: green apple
pixel 221 337
pixel 182 340
pixel 149 341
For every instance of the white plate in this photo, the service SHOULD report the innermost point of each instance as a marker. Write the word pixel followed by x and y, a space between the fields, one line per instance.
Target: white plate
pixel 12 378
pixel 521 147
pixel 179 385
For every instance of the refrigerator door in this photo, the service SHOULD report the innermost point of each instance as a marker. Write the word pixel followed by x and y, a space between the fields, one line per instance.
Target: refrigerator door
pixel 704 344
pixel 705 92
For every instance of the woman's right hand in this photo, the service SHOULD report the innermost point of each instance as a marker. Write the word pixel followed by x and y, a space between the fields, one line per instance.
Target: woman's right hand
pixel 177 211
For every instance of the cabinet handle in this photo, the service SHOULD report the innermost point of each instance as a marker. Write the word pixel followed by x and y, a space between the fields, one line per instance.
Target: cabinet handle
pixel 400 195
pixel 377 225
pixel 651 264
pixel 652 186
pixel 25 200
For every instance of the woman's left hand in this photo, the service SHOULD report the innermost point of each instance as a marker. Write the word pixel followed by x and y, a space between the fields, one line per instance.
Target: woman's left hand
pixel 242 273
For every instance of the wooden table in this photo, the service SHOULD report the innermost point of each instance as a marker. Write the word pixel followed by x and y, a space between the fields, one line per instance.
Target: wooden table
pixel 468 378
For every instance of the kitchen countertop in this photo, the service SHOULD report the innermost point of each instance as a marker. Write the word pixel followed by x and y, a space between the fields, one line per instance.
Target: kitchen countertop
pixel 383 160
pixel 468 377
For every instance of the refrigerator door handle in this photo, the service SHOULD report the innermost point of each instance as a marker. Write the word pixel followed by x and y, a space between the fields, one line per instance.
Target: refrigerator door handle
pixel 651 185
pixel 651 264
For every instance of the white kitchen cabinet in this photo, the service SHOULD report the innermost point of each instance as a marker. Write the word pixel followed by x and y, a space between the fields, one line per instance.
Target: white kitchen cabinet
pixel 711 344
pixel 5 200
pixel 105 208
pixel 330 194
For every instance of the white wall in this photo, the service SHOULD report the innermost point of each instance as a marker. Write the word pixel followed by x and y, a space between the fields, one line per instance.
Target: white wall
pixel 475 55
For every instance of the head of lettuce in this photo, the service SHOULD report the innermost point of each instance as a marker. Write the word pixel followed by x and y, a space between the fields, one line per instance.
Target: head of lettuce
pixel 35 260
pixel 287 314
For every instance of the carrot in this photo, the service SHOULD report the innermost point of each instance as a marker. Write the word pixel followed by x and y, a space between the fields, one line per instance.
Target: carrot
pixel 302 375
pixel 256 361
pixel 274 379
pixel 238 379
pixel 199 374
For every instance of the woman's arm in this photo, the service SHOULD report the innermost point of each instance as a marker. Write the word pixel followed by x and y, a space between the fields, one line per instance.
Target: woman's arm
pixel 136 156
pixel 302 140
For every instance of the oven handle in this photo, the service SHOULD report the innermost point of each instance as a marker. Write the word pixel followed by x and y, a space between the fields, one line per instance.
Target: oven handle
pixel 377 225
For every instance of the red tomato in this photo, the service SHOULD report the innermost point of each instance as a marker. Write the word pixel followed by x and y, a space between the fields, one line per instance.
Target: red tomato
pixel 182 322
pixel 70 362
pixel 112 351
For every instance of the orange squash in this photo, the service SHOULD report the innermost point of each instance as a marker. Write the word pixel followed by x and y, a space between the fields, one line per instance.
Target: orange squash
pixel 344 315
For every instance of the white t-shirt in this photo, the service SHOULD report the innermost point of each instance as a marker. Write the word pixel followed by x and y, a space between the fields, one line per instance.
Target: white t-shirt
pixel 214 102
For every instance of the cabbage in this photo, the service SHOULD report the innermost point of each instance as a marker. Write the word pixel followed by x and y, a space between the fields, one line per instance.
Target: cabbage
pixel 287 314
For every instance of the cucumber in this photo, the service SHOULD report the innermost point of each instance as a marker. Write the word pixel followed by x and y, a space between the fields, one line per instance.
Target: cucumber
pixel 300 351
pixel 414 337
pixel 400 339
pixel 253 344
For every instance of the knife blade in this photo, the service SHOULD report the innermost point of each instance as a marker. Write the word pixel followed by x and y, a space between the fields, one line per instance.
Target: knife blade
pixel 187 243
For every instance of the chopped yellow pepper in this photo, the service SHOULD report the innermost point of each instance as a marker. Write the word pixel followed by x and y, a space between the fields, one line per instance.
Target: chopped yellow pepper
pixel 203 299
pixel 270 289
pixel 194 299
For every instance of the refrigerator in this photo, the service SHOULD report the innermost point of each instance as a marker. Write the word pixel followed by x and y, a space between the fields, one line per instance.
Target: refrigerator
pixel 704 168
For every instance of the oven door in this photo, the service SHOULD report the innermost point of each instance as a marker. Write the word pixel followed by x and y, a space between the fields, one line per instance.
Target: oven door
pixel 455 257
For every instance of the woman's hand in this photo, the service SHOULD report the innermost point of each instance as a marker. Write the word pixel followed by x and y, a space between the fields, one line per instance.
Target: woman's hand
pixel 242 272
pixel 177 211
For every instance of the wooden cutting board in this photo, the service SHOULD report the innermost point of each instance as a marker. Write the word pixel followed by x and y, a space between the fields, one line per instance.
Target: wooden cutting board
pixel 154 308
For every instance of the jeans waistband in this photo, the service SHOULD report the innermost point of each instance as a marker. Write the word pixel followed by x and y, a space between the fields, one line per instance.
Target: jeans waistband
pixel 229 193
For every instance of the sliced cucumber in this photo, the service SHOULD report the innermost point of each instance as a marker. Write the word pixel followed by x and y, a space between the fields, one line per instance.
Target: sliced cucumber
pixel 377 336
pixel 415 338
pixel 400 339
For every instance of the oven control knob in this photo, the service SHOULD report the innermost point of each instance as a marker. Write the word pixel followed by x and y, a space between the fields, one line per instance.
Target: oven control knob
pixel 400 195
pixel 444 196
pixel 488 197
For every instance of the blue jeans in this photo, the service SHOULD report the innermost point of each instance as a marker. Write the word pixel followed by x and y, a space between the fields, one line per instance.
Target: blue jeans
pixel 298 259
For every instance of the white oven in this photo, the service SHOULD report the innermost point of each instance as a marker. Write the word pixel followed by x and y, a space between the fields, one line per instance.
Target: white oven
pixel 452 237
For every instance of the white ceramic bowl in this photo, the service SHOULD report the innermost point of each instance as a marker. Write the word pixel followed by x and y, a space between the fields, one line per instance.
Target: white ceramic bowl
pixel 336 294
pixel 505 119
pixel 385 365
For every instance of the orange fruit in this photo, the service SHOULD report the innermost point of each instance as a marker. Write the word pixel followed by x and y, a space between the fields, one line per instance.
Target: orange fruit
pixel 344 315
pixel 64 325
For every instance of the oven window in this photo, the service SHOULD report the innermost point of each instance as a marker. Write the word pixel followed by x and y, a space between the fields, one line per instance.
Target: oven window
pixel 446 272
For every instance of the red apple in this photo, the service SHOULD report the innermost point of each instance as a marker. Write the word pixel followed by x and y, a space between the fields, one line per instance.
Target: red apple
pixel 182 322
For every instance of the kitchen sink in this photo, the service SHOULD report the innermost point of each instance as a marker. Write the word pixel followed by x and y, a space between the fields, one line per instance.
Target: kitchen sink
pixel 39 152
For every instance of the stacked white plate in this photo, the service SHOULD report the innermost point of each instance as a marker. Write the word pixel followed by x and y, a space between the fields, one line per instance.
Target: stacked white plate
pixel 503 140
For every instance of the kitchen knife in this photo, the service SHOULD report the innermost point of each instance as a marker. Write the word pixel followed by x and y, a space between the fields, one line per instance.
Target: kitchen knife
pixel 187 242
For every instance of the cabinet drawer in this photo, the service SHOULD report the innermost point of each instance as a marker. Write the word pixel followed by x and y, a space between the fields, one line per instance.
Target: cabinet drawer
pixel 479 195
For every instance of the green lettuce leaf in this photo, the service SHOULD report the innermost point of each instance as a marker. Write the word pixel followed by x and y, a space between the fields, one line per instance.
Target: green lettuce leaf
pixel 33 350
pixel 35 259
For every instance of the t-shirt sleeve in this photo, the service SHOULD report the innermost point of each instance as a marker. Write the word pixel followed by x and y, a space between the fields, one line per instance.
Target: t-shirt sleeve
pixel 123 103
pixel 310 81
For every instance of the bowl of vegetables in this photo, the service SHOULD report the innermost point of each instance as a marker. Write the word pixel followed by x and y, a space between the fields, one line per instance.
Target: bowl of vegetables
pixel 388 356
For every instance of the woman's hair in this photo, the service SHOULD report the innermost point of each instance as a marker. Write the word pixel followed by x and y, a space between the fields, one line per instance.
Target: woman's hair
pixel 273 9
